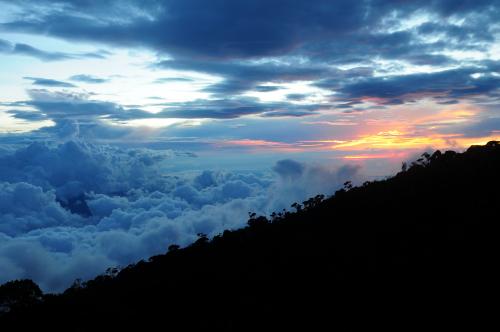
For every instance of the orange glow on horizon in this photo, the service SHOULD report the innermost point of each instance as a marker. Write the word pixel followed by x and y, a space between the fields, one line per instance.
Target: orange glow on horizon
pixel 395 134
pixel 383 145
pixel 396 140
pixel 252 142
pixel 377 156
pixel 261 145
pixel 392 139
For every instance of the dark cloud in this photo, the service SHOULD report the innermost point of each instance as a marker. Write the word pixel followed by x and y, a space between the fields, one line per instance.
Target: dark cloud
pixel 481 128
pixel 256 28
pixel 49 82
pixel 62 105
pixel 27 115
pixel 249 44
pixel 241 76
pixel 288 168
pixel 266 88
pixel 448 102
pixel 296 96
pixel 289 113
pixel 24 49
pixel 452 7
pixel 173 79
pixel 7 47
pixel 86 110
pixel 229 29
pixel 59 106
pixel 234 108
pixel 471 33
pixel 88 79
pixel 296 25
pixel 214 113
pixel 393 90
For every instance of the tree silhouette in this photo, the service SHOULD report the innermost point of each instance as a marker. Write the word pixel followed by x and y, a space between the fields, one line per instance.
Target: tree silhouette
pixel 17 294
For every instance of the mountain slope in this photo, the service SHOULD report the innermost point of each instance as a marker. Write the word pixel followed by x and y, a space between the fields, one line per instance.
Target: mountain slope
pixel 417 248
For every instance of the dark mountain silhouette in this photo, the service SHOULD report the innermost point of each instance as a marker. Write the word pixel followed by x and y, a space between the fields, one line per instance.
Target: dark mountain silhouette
pixel 417 249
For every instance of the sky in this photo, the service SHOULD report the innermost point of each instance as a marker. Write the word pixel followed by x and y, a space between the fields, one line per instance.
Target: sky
pixel 126 126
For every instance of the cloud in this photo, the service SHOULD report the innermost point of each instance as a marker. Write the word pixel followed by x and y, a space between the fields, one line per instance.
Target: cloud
pixel 49 82
pixel 238 107
pixel 288 169
pixel 297 181
pixel 5 46
pixel 276 42
pixel 173 79
pixel 258 29
pixel 55 168
pixel 397 89
pixel 24 49
pixel 266 88
pixel 63 106
pixel 61 219
pixel 241 76
pixel 483 127
pixel 297 112
pixel 27 115
pixel 88 79
pixel 9 48
pixel 25 207
pixel 296 96
pixel 138 23
pixel 277 126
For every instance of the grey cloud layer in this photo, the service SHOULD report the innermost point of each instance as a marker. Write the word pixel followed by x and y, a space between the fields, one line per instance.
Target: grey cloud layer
pixel 248 43
pixel 453 83
pixel 59 106
pixel 240 29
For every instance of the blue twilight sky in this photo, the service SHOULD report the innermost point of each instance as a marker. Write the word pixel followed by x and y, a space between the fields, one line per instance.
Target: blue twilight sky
pixel 128 125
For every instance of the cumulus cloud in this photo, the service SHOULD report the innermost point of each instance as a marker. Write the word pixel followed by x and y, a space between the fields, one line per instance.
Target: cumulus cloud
pixel 71 210
pixel 297 180
pixel 25 207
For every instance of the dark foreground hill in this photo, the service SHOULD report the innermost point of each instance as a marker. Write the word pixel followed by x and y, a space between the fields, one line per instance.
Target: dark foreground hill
pixel 418 249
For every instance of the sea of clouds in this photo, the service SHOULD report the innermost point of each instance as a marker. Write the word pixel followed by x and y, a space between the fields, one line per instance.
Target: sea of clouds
pixel 73 209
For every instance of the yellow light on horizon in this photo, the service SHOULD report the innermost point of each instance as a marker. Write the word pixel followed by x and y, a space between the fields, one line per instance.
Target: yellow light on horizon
pixel 396 140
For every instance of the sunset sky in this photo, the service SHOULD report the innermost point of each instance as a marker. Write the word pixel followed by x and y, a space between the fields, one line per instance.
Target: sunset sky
pixel 295 88
pixel 360 77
